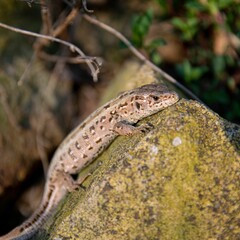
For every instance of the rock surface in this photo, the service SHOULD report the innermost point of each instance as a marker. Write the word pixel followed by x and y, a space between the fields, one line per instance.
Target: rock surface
pixel 179 181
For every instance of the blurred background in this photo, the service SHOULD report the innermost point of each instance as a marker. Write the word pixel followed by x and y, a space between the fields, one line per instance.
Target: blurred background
pixel 43 95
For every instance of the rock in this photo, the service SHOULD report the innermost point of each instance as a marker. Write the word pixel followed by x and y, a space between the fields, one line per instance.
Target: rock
pixel 179 181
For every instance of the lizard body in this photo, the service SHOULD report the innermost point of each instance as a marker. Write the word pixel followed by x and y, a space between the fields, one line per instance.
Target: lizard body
pixel 87 141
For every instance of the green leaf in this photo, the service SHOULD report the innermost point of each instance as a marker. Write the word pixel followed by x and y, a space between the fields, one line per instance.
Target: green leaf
pixel 155 57
pixel 188 27
pixel 140 27
pixel 218 64
pixel 155 43
pixel 195 6
pixel 190 73
pixel 178 23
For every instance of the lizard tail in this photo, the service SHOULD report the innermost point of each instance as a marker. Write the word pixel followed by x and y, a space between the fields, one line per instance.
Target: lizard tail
pixel 24 231
pixel 28 228
pixel 17 234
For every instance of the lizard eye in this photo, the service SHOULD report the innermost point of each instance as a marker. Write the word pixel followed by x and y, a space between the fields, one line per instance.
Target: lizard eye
pixel 155 98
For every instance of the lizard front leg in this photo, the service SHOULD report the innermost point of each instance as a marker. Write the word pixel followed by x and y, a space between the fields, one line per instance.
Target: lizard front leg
pixel 126 129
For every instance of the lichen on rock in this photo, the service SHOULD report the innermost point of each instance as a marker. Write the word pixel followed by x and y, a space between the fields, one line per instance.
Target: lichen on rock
pixel 179 181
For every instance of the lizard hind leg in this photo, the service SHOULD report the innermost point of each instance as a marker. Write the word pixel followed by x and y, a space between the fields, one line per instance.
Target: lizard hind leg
pixel 71 182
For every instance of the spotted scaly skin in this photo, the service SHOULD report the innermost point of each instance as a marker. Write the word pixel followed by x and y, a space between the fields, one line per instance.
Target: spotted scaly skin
pixel 87 141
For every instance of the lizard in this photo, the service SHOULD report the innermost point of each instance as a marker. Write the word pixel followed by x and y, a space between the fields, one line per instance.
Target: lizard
pixel 117 117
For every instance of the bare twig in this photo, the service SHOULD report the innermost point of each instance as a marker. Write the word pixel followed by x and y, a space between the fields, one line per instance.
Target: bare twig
pixel 84 3
pixel 26 70
pixel 40 148
pixel 93 64
pixel 53 58
pixel 29 2
pixel 91 61
pixel 68 20
pixel 56 58
pixel 46 18
pixel 138 54
pixel 10 115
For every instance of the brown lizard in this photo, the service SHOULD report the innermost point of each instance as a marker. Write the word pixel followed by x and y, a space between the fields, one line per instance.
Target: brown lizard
pixel 88 140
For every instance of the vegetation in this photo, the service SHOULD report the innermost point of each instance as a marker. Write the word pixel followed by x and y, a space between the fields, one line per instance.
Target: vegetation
pixel 45 92
pixel 207 33
pixel 210 38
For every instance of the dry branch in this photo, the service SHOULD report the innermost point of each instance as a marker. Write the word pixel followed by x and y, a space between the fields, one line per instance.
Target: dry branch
pixel 91 61
pixel 139 54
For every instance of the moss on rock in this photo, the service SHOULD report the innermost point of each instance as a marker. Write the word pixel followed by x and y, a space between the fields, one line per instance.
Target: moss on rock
pixel 179 181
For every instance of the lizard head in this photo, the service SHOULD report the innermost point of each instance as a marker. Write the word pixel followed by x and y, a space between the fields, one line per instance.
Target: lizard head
pixel 151 98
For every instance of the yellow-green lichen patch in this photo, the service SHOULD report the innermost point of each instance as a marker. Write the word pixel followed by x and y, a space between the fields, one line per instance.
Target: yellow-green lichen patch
pixel 180 181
